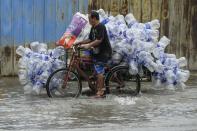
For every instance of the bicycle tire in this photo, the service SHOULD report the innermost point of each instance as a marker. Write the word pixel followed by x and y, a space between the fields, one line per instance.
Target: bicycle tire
pixel 63 70
pixel 119 69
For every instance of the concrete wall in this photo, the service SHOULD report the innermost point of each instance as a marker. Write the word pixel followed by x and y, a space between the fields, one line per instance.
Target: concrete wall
pixel 178 21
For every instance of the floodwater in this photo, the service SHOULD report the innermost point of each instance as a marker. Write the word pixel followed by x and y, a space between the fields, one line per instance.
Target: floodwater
pixel 152 110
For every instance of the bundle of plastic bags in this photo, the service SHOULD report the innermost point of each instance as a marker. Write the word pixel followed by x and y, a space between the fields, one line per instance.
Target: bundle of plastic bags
pixel 36 64
pixel 138 44
pixel 133 43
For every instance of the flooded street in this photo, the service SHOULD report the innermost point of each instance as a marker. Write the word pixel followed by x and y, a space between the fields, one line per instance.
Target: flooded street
pixel 153 110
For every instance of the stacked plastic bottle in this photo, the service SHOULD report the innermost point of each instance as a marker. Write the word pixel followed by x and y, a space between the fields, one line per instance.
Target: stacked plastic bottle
pixel 138 43
pixel 36 64
pixel 133 43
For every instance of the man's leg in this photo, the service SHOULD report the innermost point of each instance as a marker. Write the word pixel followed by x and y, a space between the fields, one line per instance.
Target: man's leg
pixel 99 68
pixel 100 85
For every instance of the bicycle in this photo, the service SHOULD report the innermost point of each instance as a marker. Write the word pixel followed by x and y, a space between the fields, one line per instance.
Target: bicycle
pixel 67 82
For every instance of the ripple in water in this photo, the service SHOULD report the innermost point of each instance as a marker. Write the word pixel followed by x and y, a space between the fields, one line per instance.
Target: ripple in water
pixel 126 100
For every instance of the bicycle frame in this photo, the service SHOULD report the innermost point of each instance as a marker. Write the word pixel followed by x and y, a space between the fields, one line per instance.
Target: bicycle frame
pixel 111 75
pixel 74 64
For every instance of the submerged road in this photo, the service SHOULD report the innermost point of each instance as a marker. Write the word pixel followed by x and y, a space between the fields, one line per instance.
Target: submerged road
pixel 153 110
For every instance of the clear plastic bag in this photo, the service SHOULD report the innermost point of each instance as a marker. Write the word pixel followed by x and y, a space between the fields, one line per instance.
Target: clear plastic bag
pixel 133 68
pixel 182 62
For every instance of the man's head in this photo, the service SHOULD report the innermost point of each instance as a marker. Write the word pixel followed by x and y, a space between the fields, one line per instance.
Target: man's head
pixel 93 18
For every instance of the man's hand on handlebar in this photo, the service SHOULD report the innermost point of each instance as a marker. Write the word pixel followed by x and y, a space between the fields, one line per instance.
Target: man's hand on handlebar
pixel 81 45
pixel 85 46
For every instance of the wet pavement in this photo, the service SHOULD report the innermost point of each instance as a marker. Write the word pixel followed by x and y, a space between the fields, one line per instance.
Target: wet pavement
pixel 153 110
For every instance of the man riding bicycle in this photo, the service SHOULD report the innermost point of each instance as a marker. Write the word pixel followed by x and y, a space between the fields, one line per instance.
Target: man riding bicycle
pixel 102 51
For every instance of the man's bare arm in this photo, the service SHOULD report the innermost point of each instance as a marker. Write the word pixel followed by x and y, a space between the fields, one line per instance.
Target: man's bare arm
pixel 91 44
pixel 95 43
pixel 84 41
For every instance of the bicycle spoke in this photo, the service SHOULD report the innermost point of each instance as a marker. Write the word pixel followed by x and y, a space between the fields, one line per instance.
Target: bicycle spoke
pixel 59 86
pixel 121 80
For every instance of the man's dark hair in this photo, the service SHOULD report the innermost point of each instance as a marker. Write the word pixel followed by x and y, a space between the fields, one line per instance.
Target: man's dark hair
pixel 94 14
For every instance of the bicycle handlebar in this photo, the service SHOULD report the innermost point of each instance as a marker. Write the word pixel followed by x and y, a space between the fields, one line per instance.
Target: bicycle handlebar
pixel 74 47
pixel 77 47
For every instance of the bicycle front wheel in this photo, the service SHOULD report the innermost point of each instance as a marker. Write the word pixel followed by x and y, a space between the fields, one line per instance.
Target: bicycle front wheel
pixel 62 83
pixel 119 80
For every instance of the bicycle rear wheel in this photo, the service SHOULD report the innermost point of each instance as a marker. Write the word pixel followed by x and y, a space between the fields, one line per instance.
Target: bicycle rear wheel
pixel 119 80
pixel 58 85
